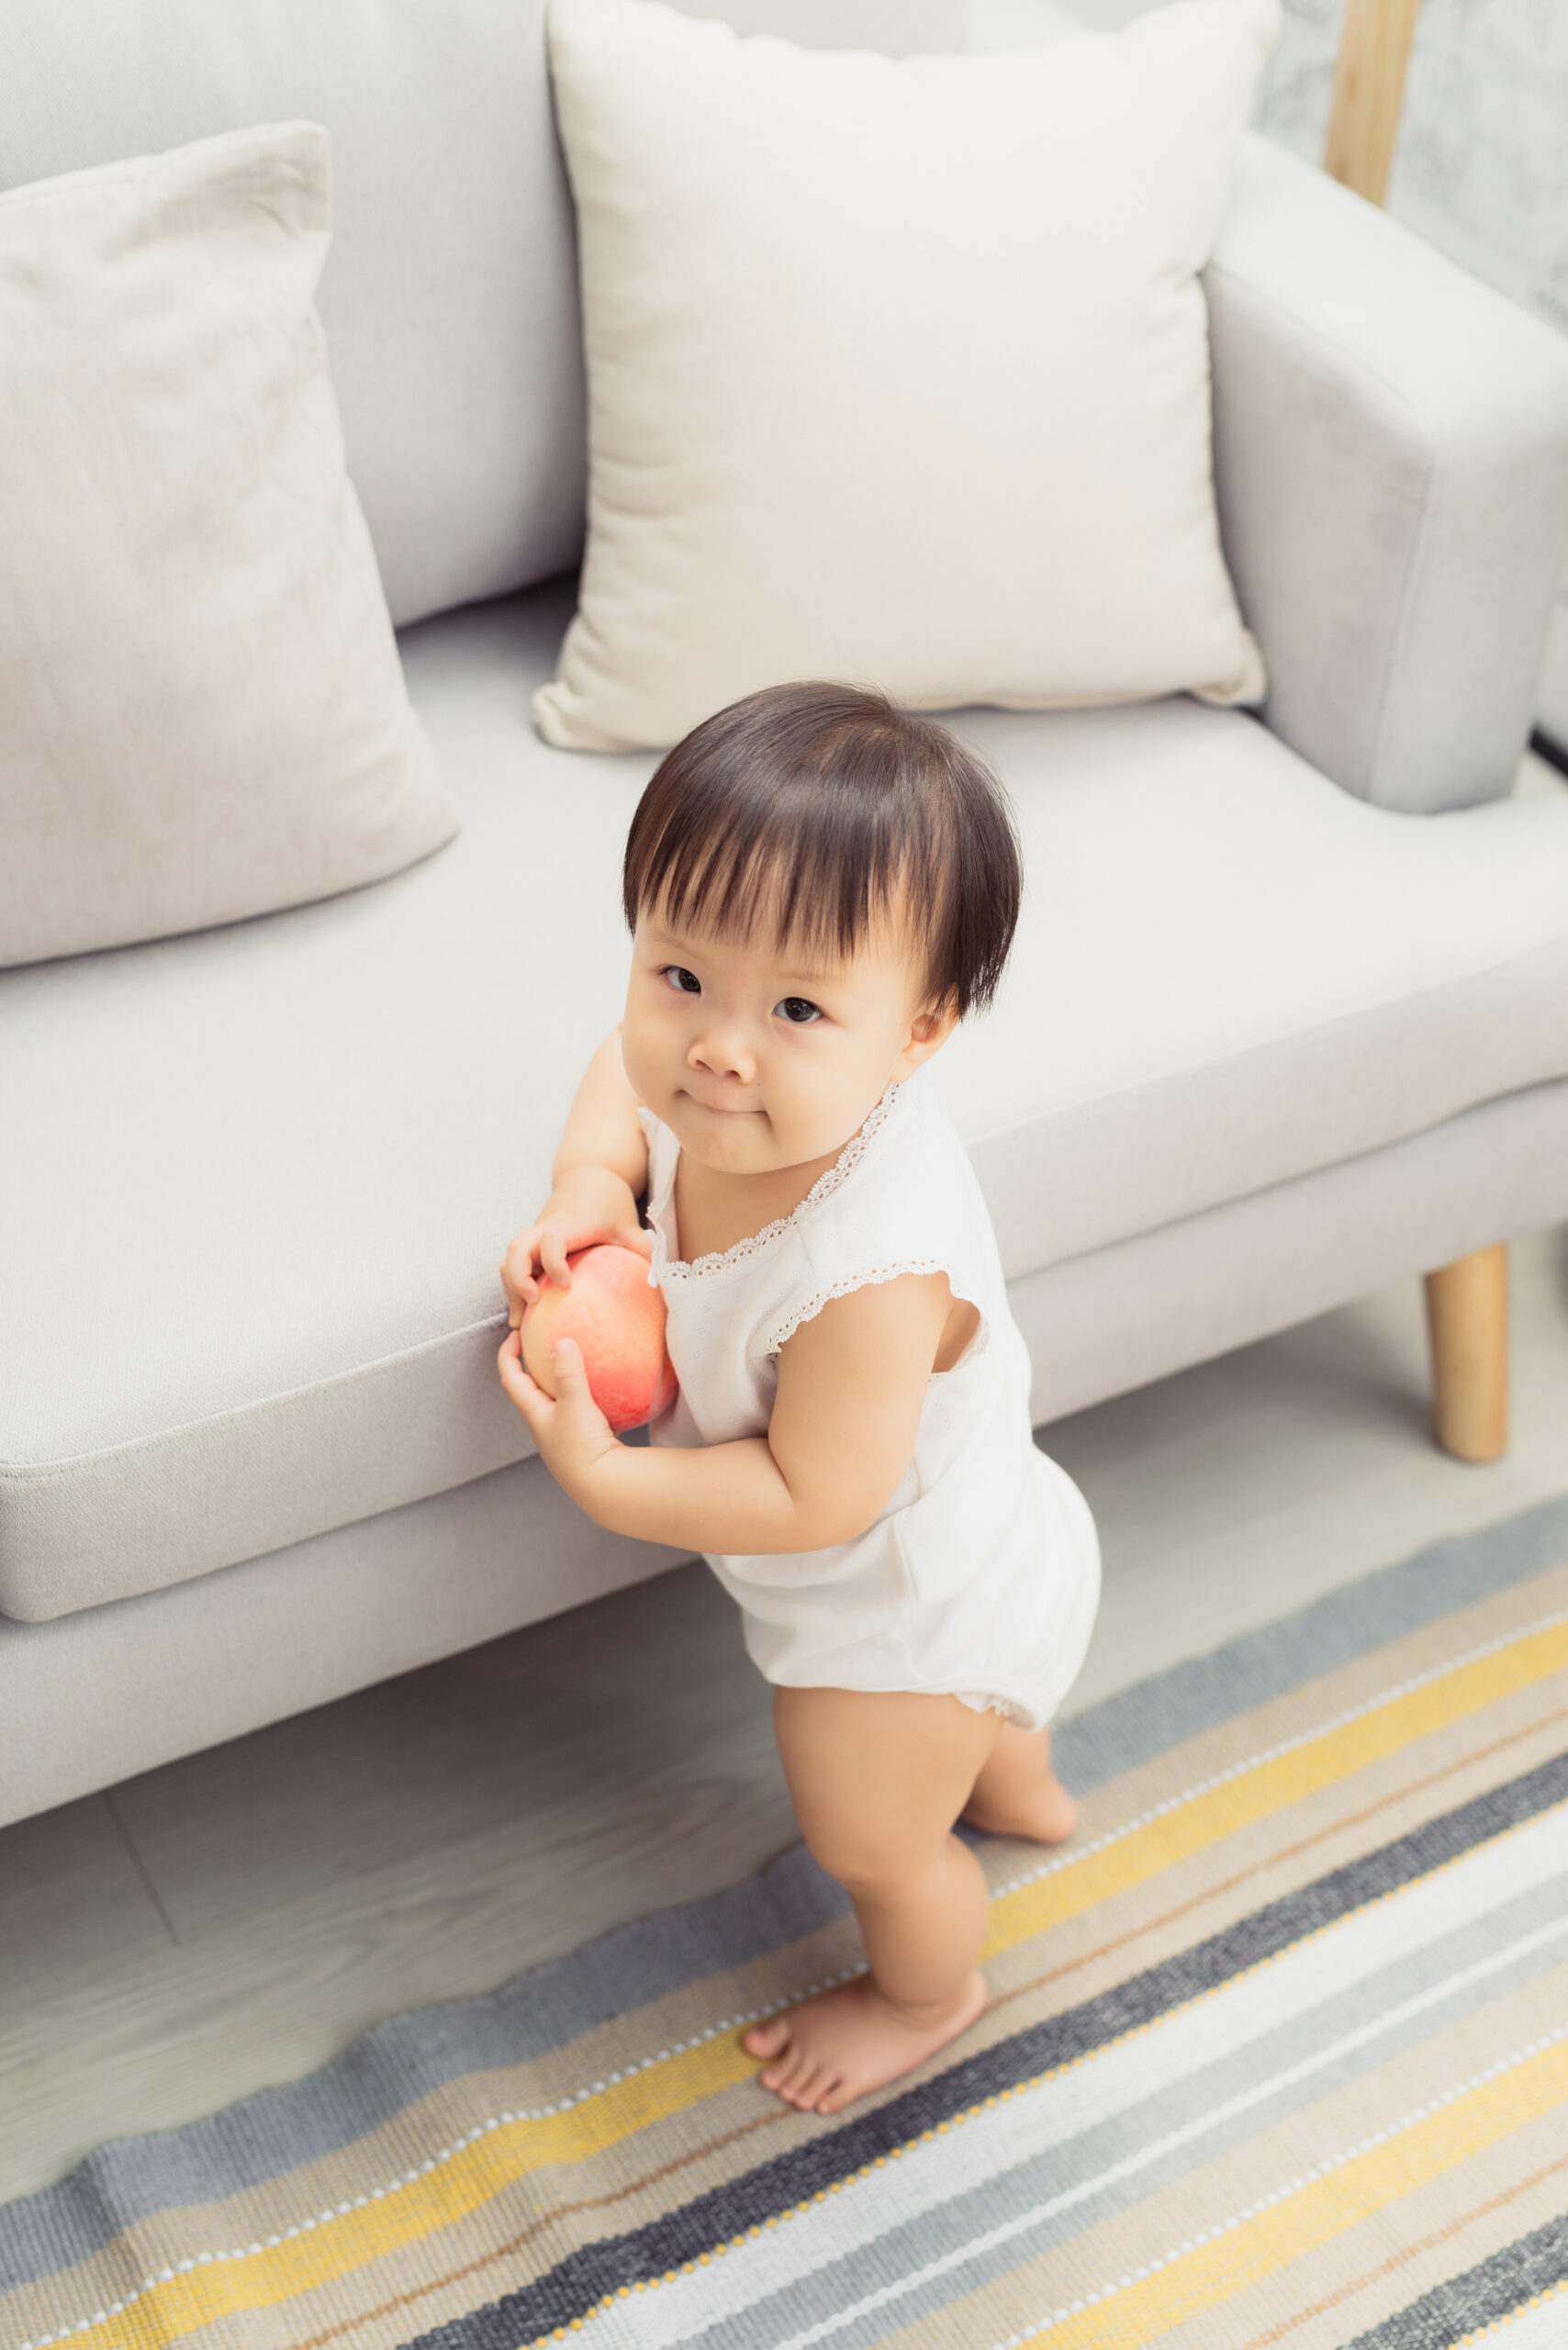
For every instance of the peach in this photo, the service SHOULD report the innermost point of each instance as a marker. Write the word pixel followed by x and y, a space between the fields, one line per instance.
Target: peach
pixel 617 1320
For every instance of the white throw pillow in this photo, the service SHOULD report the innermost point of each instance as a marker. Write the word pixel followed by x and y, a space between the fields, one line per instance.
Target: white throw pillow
pixel 898 369
pixel 202 710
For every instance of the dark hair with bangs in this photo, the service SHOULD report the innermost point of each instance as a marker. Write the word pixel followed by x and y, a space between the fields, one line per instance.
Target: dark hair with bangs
pixel 818 808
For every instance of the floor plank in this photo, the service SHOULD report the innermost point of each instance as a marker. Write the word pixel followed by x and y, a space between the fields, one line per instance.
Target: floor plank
pixel 425 1840
pixel 529 1728
pixel 266 1997
pixel 1249 1486
pixel 74 1901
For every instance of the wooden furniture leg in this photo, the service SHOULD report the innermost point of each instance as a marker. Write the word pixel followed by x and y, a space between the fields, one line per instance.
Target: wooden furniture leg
pixel 1369 90
pixel 1467 1313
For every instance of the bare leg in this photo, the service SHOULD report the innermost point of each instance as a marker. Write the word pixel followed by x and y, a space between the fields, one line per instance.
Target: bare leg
pixel 1018 1794
pixel 877 1782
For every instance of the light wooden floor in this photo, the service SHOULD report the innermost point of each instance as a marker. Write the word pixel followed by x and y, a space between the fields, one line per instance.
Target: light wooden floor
pixel 235 1918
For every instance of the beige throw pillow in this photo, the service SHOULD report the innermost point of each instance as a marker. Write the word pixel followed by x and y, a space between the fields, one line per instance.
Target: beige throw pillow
pixel 898 369
pixel 202 710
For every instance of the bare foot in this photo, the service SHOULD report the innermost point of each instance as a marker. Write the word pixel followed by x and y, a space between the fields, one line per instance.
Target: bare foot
pixel 1046 1815
pixel 845 2042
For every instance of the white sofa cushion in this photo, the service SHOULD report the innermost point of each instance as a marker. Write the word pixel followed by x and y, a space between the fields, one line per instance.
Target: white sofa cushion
pixel 202 714
pixel 261 1179
pixel 924 399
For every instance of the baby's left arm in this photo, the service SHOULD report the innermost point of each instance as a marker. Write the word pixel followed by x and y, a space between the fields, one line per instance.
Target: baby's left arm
pixel 851 1385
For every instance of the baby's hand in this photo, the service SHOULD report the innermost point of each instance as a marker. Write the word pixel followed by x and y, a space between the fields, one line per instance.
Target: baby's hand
pixel 589 1205
pixel 576 1441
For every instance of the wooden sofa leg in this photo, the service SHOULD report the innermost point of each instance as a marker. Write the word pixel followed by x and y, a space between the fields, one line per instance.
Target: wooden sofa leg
pixel 1467 1314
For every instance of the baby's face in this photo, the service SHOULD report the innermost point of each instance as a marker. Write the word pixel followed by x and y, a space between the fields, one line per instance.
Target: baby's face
pixel 756 1064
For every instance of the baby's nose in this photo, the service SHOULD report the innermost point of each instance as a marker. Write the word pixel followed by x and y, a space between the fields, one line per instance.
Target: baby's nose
pixel 723 1052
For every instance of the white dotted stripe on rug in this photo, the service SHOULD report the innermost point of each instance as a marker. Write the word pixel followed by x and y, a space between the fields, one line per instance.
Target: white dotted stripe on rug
pixel 1276 2196
pixel 446 2152
pixel 1292 1745
pixel 1541 2324
pixel 1043 2117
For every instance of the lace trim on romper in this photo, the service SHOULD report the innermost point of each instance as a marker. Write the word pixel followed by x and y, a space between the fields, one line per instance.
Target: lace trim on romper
pixel 685 1268
pixel 806 1309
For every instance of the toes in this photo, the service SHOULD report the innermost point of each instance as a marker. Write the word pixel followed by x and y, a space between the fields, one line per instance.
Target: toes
pixel 834 2095
pixel 792 2079
pixel 781 2075
pixel 769 2039
pixel 795 2082
pixel 807 2089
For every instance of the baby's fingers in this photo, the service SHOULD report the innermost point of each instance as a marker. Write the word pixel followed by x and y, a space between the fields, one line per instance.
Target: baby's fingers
pixel 525 1392
pixel 574 1396
pixel 553 1257
pixel 518 1277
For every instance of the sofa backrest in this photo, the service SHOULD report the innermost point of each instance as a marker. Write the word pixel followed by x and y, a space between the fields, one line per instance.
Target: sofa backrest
pixel 448 301
pixel 449 295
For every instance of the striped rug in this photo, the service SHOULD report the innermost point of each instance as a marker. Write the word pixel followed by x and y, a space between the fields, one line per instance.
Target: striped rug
pixel 1277 2054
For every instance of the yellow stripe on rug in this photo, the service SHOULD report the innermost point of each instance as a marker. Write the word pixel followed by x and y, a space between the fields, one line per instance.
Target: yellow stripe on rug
pixel 467 2175
pixel 1074 1884
pixel 262 2275
pixel 1190 2283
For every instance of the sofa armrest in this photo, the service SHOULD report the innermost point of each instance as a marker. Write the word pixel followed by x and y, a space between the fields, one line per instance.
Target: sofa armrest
pixel 1391 456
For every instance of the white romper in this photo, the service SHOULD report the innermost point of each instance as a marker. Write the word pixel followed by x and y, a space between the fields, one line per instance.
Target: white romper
pixel 982 1577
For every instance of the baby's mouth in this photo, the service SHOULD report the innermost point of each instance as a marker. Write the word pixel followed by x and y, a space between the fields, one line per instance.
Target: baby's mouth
pixel 723 1109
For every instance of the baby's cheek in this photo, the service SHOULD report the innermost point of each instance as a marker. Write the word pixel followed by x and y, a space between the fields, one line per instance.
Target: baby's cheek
pixel 820 1110
pixel 647 1068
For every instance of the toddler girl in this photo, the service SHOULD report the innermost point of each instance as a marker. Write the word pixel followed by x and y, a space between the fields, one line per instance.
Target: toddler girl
pixel 819 886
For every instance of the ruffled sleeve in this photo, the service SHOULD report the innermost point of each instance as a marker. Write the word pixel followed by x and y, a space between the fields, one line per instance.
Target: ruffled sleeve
pixel 911 1204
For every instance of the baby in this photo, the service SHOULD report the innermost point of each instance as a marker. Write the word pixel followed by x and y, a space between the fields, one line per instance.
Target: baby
pixel 819 886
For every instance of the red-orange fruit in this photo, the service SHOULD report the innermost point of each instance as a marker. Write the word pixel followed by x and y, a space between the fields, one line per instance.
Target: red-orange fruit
pixel 617 1320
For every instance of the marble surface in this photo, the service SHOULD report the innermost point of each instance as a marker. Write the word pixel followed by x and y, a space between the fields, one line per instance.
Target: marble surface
pixel 1482 165
pixel 1481 169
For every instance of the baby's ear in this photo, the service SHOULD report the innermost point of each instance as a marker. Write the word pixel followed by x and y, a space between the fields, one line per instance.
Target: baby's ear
pixel 930 1029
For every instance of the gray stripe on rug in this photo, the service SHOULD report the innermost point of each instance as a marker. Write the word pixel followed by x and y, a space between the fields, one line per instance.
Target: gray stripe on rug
pixel 1491 2290
pixel 817 2297
pixel 586 2275
pixel 413 2054
pixel 1152 1717
pixel 403 2059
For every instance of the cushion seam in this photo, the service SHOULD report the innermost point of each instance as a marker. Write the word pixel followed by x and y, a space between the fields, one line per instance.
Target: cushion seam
pixel 26 1472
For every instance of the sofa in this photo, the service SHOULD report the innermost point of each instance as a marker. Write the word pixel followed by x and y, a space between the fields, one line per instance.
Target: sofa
pixel 1287 1017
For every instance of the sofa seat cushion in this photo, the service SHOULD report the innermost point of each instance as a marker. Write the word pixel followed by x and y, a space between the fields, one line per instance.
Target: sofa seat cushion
pixel 257 1181
pixel 1229 972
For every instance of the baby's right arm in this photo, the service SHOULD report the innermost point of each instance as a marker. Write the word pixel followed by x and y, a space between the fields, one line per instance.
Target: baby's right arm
pixel 600 1171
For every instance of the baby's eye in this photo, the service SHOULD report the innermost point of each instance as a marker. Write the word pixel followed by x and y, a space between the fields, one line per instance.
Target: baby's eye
pixel 795 1009
pixel 685 982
